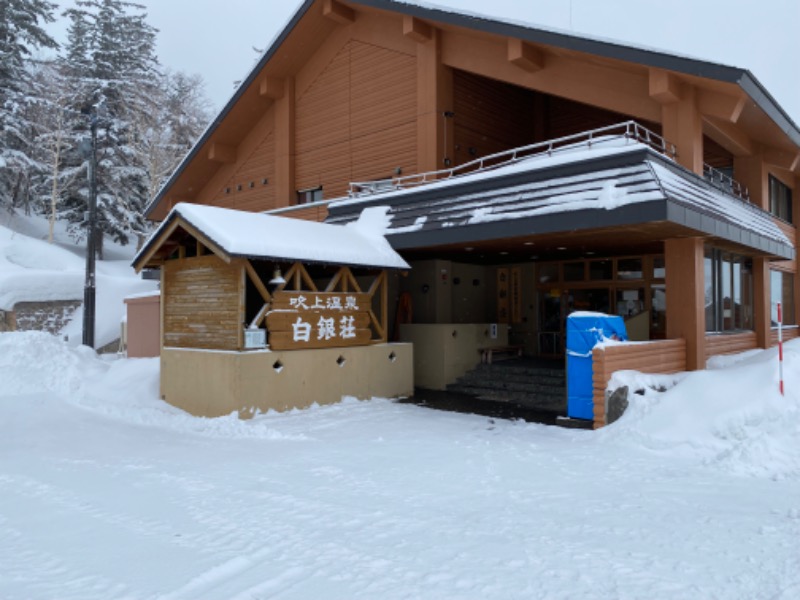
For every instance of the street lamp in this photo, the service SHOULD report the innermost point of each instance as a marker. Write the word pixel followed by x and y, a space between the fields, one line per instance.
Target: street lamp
pixel 89 151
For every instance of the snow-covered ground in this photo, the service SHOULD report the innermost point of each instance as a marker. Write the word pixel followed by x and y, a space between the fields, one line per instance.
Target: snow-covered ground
pixel 107 492
pixel 33 270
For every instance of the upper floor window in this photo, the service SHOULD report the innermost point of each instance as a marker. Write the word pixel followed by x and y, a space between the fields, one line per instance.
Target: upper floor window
pixel 780 199
pixel 310 195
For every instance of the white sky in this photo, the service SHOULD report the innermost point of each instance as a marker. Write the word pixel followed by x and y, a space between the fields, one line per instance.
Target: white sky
pixel 216 39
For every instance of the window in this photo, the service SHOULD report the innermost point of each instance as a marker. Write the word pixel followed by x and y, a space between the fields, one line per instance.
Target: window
pixel 310 195
pixel 728 292
pixel 782 290
pixel 629 268
pixel 780 199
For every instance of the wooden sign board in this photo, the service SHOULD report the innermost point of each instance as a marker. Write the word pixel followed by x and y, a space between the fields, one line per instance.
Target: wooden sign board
pixel 344 302
pixel 307 329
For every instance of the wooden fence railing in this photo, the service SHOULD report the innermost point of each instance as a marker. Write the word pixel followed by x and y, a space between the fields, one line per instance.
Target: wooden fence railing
pixel 662 356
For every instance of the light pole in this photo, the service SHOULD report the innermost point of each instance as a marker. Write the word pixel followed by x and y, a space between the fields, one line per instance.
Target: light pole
pixel 91 237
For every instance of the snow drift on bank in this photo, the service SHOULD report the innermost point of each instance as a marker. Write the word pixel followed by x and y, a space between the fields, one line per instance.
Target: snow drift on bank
pixel 731 417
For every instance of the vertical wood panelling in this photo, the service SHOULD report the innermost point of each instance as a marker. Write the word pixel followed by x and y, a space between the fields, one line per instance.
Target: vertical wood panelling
pixel 201 303
pixel 356 122
pixel 254 195
pixel 490 116
pixel 566 117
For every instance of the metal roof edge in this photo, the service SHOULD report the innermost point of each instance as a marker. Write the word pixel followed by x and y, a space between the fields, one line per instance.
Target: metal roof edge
pixel 637 154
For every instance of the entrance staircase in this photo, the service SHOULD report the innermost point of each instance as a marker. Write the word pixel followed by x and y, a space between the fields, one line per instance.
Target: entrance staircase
pixel 529 383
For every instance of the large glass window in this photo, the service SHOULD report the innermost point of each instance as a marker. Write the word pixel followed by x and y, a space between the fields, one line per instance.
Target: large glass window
pixel 782 290
pixel 728 291
pixel 780 199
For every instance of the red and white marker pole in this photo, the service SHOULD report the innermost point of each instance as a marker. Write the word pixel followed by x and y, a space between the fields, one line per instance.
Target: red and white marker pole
pixel 780 347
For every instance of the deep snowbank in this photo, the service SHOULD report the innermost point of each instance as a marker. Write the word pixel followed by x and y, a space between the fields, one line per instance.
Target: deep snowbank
pixel 123 389
pixel 731 417
pixel 33 270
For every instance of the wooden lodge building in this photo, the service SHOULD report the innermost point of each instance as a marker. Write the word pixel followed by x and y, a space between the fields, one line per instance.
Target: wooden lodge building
pixel 525 174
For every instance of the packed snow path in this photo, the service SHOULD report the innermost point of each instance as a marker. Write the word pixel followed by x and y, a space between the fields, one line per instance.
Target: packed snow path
pixel 106 492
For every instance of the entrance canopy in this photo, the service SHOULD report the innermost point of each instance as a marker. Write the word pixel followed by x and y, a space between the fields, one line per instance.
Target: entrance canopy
pixel 617 184
pixel 235 234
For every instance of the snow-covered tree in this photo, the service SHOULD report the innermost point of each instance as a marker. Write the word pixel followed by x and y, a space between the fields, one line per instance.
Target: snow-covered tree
pixel 21 34
pixel 117 75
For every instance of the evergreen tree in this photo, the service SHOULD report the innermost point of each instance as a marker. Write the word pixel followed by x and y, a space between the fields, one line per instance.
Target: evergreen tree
pixel 117 73
pixel 20 34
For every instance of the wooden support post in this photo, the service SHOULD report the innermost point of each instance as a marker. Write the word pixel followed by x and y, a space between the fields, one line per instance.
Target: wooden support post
pixel 685 279
pixel 761 302
pixel 284 132
pixel 435 119
pixel 751 172
pixel 683 126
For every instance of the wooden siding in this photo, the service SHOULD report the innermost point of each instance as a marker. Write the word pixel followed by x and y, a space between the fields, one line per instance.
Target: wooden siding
pixel 202 306
pixel 789 333
pixel 665 356
pixel 246 189
pixel 566 117
pixel 308 212
pixel 357 121
pixel 490 116
pixel 728 343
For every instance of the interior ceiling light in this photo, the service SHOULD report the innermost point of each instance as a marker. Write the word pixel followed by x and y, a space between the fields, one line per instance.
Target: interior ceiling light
pixel 469 248
pixel 528 244
pixel 561 248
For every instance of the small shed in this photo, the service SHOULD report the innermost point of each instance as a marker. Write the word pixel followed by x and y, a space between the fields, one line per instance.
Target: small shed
pixel 261 312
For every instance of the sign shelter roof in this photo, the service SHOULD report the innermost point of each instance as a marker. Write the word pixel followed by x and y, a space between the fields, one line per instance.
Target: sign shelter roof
pixel 237 234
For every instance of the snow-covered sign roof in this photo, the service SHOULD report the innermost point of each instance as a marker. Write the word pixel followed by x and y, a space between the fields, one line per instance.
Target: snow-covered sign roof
pixel 610 184
pixel 233 233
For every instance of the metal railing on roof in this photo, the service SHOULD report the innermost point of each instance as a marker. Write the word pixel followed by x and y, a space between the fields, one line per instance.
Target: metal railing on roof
pixel 725 182
pixel 628 130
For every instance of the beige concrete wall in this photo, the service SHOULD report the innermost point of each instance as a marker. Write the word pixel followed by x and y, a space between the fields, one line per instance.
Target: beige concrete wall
pixel 144 326
pixel 214 383
pixel 444 352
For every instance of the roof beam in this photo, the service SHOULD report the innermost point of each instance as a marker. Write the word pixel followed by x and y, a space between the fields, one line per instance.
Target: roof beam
pixel 336 11
pixel 271 88
pixel 525 55
pixel 417 30
pixel 720 106
pixel 730 137
pixel 222 153
pixel 783 159
pixel 665 87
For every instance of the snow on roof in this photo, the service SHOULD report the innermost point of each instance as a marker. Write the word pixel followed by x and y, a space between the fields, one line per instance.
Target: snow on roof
pixel 569 154
pixel 257 235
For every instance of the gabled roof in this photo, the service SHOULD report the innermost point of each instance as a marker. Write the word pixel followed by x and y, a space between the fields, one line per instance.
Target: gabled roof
pixel 579 189
pixel 236 234
pixel 537 35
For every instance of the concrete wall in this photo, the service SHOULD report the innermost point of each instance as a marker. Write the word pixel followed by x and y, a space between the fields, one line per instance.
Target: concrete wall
pixel 213 383
pixel 444 352
pixel 144 326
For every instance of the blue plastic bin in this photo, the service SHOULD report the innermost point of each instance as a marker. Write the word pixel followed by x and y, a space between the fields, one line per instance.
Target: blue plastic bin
pixel 584 331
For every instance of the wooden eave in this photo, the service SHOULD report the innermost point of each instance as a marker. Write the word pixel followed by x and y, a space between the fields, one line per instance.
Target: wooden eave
pixel 172 236
pixel 762 119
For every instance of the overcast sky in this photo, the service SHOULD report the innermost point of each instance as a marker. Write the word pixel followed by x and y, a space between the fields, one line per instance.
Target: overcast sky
pixel 215 38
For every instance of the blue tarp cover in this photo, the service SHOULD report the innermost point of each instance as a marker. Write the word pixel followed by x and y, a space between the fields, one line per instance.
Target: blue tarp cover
pixel 584 331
